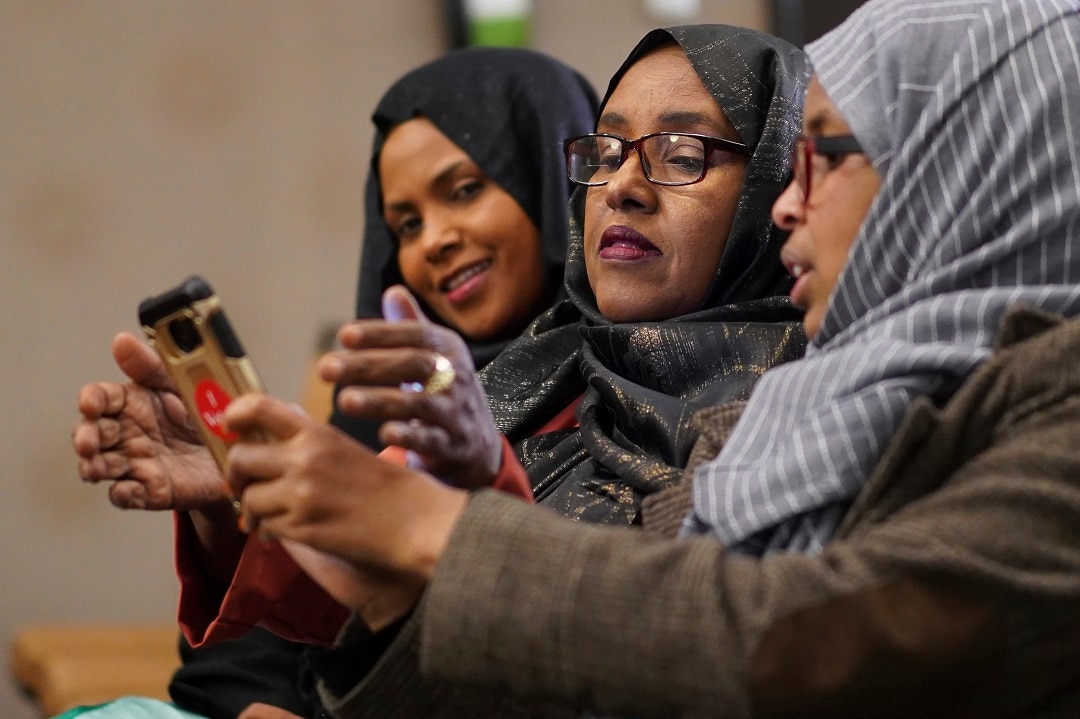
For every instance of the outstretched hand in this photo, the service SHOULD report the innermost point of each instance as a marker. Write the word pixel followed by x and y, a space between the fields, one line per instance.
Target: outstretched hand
pixel 138 436
pixel 382 367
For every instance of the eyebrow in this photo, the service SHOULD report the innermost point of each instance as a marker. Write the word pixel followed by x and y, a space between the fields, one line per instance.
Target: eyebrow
pixel 442 178
pixel 674 118
pixel 819 122
pixel 815 124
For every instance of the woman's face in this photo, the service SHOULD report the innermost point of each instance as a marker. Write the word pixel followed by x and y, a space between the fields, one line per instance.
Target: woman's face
pixel 465 246
pixel 824 228
pixel 651 251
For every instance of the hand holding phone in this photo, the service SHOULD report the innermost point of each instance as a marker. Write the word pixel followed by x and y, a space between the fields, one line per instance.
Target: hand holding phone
pixel 190 331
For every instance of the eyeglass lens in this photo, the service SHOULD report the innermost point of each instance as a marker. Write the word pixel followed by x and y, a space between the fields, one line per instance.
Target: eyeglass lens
pixel 667 158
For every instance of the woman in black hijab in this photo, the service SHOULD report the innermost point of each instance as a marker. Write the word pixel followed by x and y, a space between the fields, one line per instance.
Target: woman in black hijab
pixel 508 110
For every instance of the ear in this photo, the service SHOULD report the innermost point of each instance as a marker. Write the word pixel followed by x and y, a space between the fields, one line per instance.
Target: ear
pixel 398 304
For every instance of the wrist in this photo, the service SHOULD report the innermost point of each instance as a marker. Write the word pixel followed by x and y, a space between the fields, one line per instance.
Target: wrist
pixel 390 607
pixel 427 533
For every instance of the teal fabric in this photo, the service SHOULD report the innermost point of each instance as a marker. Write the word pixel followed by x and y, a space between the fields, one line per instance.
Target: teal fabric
pixel 130 708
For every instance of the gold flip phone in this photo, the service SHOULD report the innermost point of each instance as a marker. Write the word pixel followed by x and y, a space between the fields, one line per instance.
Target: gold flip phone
pixel 188 328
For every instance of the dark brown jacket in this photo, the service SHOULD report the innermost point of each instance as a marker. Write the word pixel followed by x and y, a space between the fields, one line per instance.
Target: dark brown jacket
pixel 952 589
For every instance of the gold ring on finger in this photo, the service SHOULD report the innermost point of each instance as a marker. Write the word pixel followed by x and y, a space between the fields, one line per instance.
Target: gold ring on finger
pixel 441 377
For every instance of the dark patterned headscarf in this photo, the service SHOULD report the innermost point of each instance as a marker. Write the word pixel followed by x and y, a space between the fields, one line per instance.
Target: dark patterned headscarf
pixel 641 382
pixel 509 110
pixel 969 112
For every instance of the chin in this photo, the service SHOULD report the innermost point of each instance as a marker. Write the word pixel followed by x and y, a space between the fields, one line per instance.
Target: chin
pixel 481 330
pixel 625 313
pixel 811 325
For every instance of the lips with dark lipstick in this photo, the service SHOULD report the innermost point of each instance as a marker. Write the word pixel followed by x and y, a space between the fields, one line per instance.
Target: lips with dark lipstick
pixel 622 243
pixel 460 284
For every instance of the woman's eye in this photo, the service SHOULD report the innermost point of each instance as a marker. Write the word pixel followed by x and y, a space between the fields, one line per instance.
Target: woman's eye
pixel 407 227
pixel 687 163
pixel 831 161
pixel 468 190
pixel 821 164
pixel 610 160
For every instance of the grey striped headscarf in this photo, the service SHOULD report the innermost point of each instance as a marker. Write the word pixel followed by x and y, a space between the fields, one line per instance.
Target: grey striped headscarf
pixel 970 111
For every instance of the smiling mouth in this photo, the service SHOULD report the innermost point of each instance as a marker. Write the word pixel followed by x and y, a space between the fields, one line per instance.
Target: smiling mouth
pixel 463 276
pixel 622 243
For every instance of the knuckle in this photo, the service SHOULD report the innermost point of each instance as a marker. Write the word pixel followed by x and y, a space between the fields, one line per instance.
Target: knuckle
pixel 415 404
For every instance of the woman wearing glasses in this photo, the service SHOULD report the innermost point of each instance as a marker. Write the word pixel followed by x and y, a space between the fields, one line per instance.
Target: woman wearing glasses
pixel 676 295
pixel 677 302
pixel 890 527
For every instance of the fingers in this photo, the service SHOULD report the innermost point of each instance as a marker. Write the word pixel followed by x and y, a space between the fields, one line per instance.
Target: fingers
pixel 92 437
pixel 101 399
pixel 104 465
pixel 373 334
pixel 394 404
pixel 254 414
pixel 92 441
pixel 378 367
pixel 128 494
pixel 424 439
pixel 251 464
pixel 254 476
pixel 87 438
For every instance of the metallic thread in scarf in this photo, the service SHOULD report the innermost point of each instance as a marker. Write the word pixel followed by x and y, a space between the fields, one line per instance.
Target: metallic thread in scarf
pixel 640 383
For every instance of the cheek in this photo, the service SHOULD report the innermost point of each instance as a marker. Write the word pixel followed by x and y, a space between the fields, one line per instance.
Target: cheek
pixel 838 221
pixel 704 234
pixel 524 253
pixel 412 267
pixel 592 227
pixel 835 240
pixel 509 232
pixel 710 209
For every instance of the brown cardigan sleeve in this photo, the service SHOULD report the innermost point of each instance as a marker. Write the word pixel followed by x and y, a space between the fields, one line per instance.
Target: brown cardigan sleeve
pixel 956 593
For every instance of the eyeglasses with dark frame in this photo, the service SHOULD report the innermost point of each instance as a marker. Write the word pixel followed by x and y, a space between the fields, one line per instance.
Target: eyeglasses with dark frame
pixel 832 148
pixel 667 158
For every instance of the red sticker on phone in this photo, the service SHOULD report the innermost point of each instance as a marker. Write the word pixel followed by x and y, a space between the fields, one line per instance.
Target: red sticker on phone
pixel 211 401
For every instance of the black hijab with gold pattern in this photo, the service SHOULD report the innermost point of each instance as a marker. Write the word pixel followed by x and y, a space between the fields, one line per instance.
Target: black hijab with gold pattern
pixel 640 383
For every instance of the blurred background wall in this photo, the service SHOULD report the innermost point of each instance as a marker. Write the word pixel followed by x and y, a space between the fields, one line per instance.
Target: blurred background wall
pixel 143 141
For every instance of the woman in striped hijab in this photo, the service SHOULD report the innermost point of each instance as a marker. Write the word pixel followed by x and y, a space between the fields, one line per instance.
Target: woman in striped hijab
pixel 890 528
pixel 964 113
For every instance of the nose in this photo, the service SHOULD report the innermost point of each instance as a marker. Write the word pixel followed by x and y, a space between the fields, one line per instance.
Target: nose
pixel 788 210
pixel 629 189
pixel 442 238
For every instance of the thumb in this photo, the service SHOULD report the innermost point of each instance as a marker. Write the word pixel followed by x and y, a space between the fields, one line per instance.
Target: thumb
pixel 140 362
pixel 398 304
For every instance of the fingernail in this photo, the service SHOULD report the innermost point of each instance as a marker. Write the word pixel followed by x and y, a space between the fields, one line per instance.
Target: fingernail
pixel 331 367
pixel 351 399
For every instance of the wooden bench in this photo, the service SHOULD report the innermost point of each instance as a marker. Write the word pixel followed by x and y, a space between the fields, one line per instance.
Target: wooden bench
pixel 64 665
